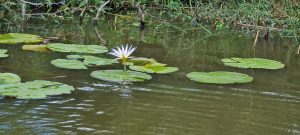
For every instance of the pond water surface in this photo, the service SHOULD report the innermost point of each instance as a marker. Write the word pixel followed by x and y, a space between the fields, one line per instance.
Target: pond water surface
pixel 168 104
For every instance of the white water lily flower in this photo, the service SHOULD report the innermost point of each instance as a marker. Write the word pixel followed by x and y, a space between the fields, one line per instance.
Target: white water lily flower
pixel 123 53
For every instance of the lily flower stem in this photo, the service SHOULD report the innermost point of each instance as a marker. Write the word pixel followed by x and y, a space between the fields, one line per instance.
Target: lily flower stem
pixel 125 68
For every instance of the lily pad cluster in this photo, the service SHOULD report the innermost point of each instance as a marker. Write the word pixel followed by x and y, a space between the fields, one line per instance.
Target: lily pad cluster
pixel 19 38
pixel 81 62
pixel 11 86
pixel 223 77
pixel 3 53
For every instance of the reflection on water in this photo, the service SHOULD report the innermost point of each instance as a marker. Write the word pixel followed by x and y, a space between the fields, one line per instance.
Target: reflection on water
pixel 168 104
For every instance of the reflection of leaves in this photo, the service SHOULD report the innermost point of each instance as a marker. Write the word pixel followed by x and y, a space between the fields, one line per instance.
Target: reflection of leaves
pixel 9 78
pixel 219 77
pixel 19 38
pixel 252 63
pixel 38 89
pixel 93 49
pixel 120 76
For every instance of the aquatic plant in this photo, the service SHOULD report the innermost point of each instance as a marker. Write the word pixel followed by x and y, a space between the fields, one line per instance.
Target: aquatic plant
pixel 123 53
pixel 255 63
pixel 219 77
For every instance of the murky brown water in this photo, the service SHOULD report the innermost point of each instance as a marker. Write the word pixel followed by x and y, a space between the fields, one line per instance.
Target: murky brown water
pixel 168 104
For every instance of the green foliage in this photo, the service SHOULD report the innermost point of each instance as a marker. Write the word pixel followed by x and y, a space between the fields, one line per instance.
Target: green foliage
pixel 219 77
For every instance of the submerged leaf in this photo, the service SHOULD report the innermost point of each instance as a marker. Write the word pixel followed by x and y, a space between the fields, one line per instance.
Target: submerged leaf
pixel 3 53
pixel 68 64
pixel 220 77
pixel 120 76
pixel 38 89
pixel 92 49
pixel 252 63
pixel 9 78
pixel 19 38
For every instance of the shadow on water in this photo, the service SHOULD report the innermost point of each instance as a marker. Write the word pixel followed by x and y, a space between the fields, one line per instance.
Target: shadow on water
pixel 168 104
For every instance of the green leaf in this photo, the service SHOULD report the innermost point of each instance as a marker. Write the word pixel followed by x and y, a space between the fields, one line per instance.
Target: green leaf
pixel 9 78
pixel 219 77
pixel 35 48
pixel 19 38
pixel 96 61
pixel 154 69
pixel 140 61
pixel 92 49
pixel 38 89
pixel 120 76
pixel 252 63
pixel 68 64
pixel 3 53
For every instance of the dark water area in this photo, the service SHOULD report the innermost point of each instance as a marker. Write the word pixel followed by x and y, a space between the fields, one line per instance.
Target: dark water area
pixel 168 104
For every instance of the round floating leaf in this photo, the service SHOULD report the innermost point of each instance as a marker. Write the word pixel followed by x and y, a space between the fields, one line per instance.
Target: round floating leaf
pixel 2 53
pixel 68 64
pixel 75 57
pixel 96 61
pixel 35 48
pixel 38 89
pixel 252 63
pixel 120 76
pixel 19 38
pixel 140 61
pixel 154 69
pixel 93 49
pixel 219 77
pixel 9 78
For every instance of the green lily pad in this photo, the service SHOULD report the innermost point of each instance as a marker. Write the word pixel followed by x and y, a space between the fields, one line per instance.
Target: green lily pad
pixel 120 76
pixel 96 61
pixel 68 64
pixel 3 53
pixel 154 69
pixel 252 63
pixel 35 48
pixel 92 49
pixel 140 61
pixel 38 89
pixel 19 38
pixel 9 78
pixel 220 77
pixel 75 57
